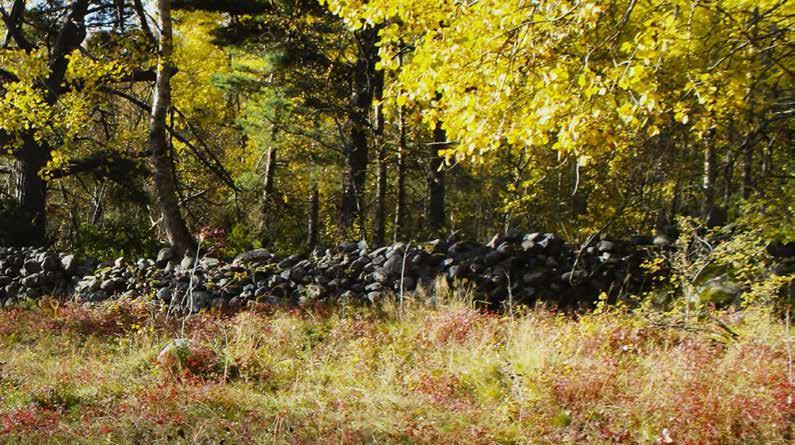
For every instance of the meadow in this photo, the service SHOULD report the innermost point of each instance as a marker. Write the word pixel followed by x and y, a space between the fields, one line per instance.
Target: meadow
pixel 437 371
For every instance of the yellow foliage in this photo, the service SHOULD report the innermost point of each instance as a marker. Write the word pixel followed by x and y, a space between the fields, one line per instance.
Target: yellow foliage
pixel 568 75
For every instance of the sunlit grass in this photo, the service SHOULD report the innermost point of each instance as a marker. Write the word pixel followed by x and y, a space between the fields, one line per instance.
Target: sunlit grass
pixel 410 373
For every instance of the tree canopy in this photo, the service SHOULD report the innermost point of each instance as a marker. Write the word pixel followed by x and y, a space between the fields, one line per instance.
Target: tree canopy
pixel 396 119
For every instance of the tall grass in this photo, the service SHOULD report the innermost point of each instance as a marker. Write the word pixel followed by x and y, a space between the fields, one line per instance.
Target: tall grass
pixel 429 370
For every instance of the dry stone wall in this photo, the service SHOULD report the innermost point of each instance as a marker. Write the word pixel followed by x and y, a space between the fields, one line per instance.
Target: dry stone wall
pixel 522 267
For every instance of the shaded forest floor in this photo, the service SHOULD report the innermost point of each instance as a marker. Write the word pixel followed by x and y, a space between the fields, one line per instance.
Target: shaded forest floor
pixel 443 374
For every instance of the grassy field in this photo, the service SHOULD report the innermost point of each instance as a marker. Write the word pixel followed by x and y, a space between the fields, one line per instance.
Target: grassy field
pixel 418 374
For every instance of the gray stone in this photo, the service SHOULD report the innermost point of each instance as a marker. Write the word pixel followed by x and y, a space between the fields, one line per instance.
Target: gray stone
pixel 608 257
pixel 32 267
pixel 606 246
pixel 662 241
pixel 169 269
pixel 187 262
pixel 209 263
pixel 348 247
pixel 533 277
pixel 381 251
pixel 164 256
pixel 496 240
pixel 459 248
pixel 505 249
pixel 51 263
pixel 492 258
pixel 261 275
pixel 394 265
pixel 200 300
pixel 380 277
pixel 641 240
pixel 532 237
pixel 574 276
pixel 257 256
pixel 289 262
pixel 144 264
pixel 12 290
pixel 261 292
pixel 409 284
pixel 374 287
pixel 720 291
pixel 31 281
pixel 551 262
pixel 88 284
pixel 112 285
pixel 359 263
pixel 374 297
pixel 164 294
pixel 97 296
pixel 457 272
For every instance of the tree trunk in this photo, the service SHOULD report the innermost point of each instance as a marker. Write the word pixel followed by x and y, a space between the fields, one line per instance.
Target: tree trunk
pixel 99 194
pixel 436 182
pixel 748 166
pixel 356 152
pixel 31 190
pixel 708 186
pixel 143 21
pixel 400 208
pixel 267 177
pixel 176 230
pixel 70 36
pixel 379 235
pixel 314 211
pixel 268 185
pixel 728 173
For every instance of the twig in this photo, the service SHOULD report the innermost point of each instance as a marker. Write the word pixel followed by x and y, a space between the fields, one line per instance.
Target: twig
pixel 724 326
pixel 510 296
pixel 402 277
pixel 189 294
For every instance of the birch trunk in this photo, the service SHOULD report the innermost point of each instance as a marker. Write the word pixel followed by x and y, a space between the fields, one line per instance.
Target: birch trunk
pixel 165 185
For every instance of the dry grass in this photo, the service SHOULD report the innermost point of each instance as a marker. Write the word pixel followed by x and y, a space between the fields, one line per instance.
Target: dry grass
pixel 422 374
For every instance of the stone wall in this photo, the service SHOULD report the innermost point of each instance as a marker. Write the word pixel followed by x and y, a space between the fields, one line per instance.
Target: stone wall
pixel 523 267
pixel 32 273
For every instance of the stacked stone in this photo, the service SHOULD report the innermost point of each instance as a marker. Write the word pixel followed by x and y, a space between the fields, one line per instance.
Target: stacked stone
pixel 33 273
pixel 518 267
